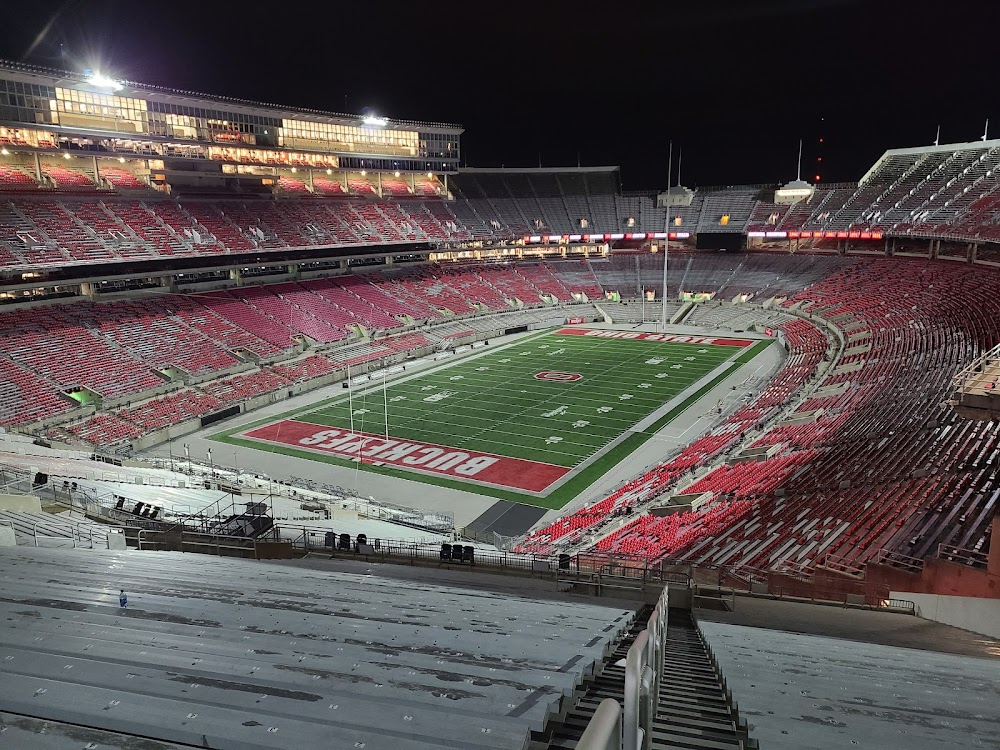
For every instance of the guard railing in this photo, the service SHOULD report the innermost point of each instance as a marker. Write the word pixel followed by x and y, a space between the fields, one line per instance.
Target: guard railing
pixel 629 727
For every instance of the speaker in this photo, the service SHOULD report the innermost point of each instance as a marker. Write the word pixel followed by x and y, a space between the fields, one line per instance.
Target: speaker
pixel 41 478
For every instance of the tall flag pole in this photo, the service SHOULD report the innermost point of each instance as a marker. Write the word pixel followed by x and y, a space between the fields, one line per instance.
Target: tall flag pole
pixel 937 137
pixel 350 411
pixel 385 406
pixel 666 242
pixel 798 169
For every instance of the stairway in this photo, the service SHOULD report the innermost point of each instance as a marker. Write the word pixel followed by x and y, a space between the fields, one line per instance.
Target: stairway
pixel 696 711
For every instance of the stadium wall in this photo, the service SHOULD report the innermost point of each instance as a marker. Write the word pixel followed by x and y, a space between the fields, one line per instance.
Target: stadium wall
pixel 20 503
pixel 942 577
pixel 974 614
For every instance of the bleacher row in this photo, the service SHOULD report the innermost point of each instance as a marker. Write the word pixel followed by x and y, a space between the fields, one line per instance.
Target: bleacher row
pixel 949 194
pixel 946 192
pixel 943 192
pixel 875 460
pixel 57 231
pixel 127 348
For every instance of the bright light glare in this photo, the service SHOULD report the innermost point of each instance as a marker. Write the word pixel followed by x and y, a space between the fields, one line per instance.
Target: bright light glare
pixel 101 81
pixel 378 122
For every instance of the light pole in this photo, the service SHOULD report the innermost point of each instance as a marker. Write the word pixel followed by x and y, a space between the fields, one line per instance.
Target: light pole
pixel 666 242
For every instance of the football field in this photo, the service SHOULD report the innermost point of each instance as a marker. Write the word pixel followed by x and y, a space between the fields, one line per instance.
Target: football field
pixel 535 421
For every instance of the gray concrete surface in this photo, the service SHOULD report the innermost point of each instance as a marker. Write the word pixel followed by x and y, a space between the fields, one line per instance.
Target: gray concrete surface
pixel 233 654
pixel 863 626
pixel 810 692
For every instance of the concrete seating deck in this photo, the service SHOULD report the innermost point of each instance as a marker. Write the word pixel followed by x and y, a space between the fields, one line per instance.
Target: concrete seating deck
pixel 229 654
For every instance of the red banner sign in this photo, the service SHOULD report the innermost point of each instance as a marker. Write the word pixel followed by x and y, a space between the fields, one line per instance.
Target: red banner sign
pixel 513 473
pixel 666 338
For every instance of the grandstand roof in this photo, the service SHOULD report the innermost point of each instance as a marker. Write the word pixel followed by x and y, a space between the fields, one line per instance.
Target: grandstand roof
pixel 69 78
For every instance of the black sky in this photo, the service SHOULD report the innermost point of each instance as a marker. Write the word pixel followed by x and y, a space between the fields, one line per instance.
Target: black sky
pixel 734 83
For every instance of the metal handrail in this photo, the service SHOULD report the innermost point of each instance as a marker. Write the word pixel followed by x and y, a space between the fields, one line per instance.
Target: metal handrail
pixel 631 729
pixel 604 732
pixel 217 541
pixel 72 532
pixel 963 554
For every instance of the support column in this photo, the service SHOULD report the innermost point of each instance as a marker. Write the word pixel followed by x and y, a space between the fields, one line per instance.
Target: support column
pixel 293 269
pixel 236 275
pixel 97 172
pixel 347 187
pixel 975 251
pixel 389 260
pixel 312 188
pixel 87 290
pixel 445 184
pixel 344 265
pixel 169 283
pixel 38 168
pixel 378 176
pixel 932 250
pixel 413 183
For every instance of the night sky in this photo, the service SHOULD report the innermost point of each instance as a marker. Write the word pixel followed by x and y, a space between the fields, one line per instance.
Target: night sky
pixel 735 84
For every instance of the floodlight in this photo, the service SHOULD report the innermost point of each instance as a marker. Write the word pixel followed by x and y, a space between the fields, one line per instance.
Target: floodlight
pixel 364 173
pixel 4 152
pixel 375 121
pixel 67 156
pixel 101 81
pixel 396 174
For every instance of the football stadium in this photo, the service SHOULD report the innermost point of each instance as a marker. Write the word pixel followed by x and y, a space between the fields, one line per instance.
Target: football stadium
pixel 313 435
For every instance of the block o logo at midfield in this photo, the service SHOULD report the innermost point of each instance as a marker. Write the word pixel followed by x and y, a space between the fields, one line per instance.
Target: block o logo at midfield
pixel 559 377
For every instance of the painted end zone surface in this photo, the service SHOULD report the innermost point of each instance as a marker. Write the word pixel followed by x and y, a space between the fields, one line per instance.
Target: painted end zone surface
pixel 512 473
pixel 666 338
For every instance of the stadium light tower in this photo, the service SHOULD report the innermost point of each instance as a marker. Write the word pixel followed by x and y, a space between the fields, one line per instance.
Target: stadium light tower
pixel 666 242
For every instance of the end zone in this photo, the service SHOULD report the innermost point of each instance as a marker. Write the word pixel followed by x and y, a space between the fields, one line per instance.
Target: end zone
pixel 666 338
pixel 439 460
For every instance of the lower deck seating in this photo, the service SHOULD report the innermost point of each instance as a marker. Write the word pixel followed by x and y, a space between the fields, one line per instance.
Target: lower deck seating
pixel 877 459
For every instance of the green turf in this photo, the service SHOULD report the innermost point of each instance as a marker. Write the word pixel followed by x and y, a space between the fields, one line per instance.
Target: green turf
pixel 494 404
